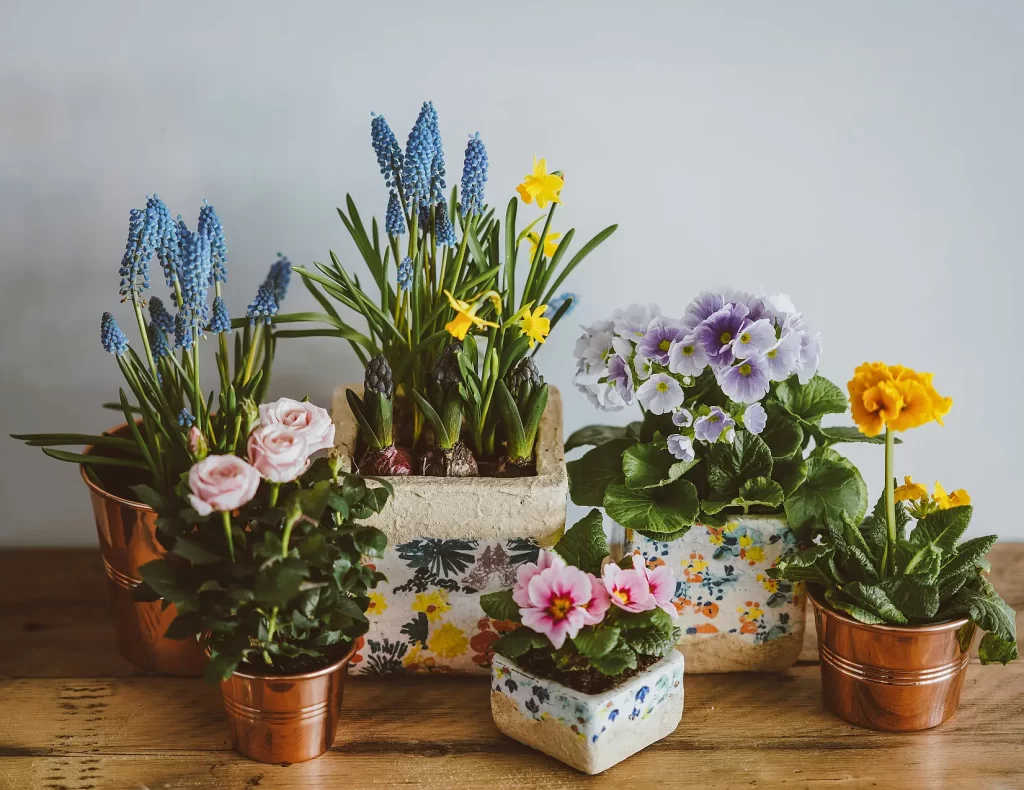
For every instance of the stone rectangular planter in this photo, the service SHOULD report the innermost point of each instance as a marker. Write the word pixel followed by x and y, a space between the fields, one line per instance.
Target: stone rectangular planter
pixel 733 617
pixel 450 540
pixel 590 732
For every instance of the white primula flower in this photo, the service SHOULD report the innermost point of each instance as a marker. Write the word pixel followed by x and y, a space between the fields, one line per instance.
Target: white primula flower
pixel 682 418
pixel 687 357
pixel 681 447
pixel 755 338
pixel 755 418
pixel 632 322
pixel 660 394
pixel 810 353
pixel 784 358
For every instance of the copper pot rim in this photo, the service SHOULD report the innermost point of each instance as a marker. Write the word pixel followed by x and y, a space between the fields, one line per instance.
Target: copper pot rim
pixel 103 493
pixel 316 673
pixel 906 630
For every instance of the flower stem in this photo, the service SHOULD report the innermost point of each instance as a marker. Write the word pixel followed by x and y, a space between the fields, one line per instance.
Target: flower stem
pixel 889 555
pixel 226 518
pixel 251 356
pixel 275 489
pixel 272 627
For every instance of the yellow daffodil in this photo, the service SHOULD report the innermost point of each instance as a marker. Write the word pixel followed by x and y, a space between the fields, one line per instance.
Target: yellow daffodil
pixel 534 325
pixel 892 396
pixel 465 317
pixel 910 490
pixel 955 499
pixel 550 244
pixel 541 185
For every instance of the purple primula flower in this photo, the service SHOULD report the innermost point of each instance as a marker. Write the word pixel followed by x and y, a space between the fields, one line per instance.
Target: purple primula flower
pixel 784 357
pixel 810 346
pixel 709 427
pixel 756 337
pixel 660 335
pixel 632 322
pixel 660 394
pixel 681 447
pixel 702 308
pixel 621 377
pixel 592 352
pixel 745 382
pixel 717 333
pixel 687 356
pixel 682 418
pixel 755 418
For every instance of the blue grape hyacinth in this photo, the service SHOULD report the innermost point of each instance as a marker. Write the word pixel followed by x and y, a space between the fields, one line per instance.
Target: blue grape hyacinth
pixel 194 274
pixel 389 153
pixel 221 321
pixel 394 222
pixel 279 276
pixel 444 230
pixel 166 239
pixel 185 418
pixel 264 306
pixel 437 173
pixel 405 273
pixel 209 225
pixel 157 341
pixel 419 157
pixel 159 315
pixel 138 252
pixel 182 331
pixel 474 177
pixel 111 336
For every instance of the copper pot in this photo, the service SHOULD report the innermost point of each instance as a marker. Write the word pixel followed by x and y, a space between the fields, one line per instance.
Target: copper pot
pixel 894 678
pixel 127 532
pixel 285 718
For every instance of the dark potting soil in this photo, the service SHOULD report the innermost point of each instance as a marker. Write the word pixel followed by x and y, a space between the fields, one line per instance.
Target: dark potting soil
pixel 299 665
pixel 587 681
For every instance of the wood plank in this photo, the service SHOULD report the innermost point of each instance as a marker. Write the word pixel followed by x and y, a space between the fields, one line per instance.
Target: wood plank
pixel 737 730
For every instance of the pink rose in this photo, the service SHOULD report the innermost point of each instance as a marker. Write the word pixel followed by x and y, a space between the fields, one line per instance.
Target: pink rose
pixel 279 453
pixel 312 422
pixel 222 483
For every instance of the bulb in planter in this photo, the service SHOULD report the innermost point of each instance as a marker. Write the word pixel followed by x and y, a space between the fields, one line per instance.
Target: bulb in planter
pixel 450 456
pixel 374 414
pixel 521 400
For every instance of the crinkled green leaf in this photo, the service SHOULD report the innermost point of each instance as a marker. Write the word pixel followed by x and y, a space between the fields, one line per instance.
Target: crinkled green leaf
pixel 655 510
pixel 615 662
pixel 942 528
pixel 519 642
pixel 813 400
pixel 873 599
pixel 584 544
pixel 650 466
pixel 856 612
pixel 913 596
pixel 994 649
pixel 782 433
pixel 803 565
pixel 500 606
pixel 596 641
pixel 730 465
pixel 590 476
pixel 597 435
pixel 831 488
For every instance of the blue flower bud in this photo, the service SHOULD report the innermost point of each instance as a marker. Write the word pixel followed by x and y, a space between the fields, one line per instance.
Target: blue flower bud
pixel 111 336
pixel 474 176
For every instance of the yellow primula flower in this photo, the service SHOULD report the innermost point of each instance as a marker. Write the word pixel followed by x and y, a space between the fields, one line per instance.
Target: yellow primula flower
pixel 377 604
pixel 550 244
pixel 910 490
pixel 465 317
pixel 448 641
pixel 534 325
pixel 433 604
pixel 541 185
pixel 955 499
pixel 892 396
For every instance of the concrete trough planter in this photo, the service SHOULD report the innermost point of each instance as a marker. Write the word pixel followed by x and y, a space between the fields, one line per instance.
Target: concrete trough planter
pixel 733 617
pixel 450 540
pixel 590 732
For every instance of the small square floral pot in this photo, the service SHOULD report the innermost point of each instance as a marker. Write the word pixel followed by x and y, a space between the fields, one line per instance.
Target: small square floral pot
pixel 590 732
pixel 450 540
pixel 734 618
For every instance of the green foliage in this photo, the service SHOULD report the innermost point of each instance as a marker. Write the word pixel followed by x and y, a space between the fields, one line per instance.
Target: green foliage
pixel 936 579
pixel 296 592
pixel 833 486
pixel 584 544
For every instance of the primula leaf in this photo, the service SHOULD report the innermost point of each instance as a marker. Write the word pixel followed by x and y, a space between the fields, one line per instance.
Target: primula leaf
pixel 969 557
pixel 875 600
pixel 597 435
pixel 500 606
pixel 789 473
pixel 994 649
pixel 914 597
pixel 813 400
pixel 648 466
pixel 760 491
pixel 987 609
pixel 942 528
pixel 658 510
pixel 519 642
pixel 803 565
pixel 856 612
pixel 615 662
pixel 665 537
pixel 590 476
pixel 782 433
pixel 584 544
pixel 874 529
pixel 844 434
pixel 831 488
pixel 730 465
pixel 596 642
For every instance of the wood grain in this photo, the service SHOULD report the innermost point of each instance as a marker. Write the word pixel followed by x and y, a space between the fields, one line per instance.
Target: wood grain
pixel 75 716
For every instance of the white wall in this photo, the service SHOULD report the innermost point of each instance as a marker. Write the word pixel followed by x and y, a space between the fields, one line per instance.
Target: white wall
pixel 863 157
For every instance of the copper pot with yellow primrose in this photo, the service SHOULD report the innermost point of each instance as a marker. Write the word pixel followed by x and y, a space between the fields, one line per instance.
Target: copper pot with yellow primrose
pixel 127 535
pixel 894 678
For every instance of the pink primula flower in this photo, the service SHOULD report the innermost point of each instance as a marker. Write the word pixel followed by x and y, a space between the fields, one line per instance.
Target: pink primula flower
pixel 599 601
pixel 558 597
pixel 661 582
pixel 526 571
pixel 628 589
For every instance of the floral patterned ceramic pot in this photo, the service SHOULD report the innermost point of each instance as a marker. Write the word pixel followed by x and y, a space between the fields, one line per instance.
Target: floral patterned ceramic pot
pixel 450 540
pixel 734 618
pixel 590 732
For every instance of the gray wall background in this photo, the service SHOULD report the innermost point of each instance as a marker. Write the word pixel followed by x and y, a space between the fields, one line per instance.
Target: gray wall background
pixel 863 157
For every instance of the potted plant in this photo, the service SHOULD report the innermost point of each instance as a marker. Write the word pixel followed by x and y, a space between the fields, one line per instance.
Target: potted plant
pixel 163 403
pixel 730 458
pixel 264 563
pixel 452 409
pixel 588 672
pixel 897 612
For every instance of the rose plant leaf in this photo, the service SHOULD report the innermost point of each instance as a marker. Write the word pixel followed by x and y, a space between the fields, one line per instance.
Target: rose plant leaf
pixel 584 544
pixel 729 465
pixel 194 552
pixel 660 510
pixel 590 476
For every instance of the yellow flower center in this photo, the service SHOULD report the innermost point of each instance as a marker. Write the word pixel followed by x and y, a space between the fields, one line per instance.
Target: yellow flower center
pixel 688 351
pixel 622 595
pixel 662 386
pixel 725 337
pixel 713 418
pixel 663 345
pixel 745 338
pixel 771 354
pixel 560 608
pixel 745 369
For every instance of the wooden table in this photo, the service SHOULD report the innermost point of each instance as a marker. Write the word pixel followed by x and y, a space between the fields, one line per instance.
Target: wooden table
pixel 74 715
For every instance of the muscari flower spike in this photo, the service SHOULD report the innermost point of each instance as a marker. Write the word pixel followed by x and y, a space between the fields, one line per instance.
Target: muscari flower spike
pixel 394 222
pixel 209 225
pixel 182 331
pixel 405 272
pixel 194 274
pixel 166 239
pixel 444 231
pixel 111 336
pixel 279 276
pixel 159 315
pixel 389 153
pixel 474 176
pixel 437 173
pixel 185 418
pixel 138 252
pixel 157 341
pixel 264 306
pixel 419 157
pixel 221 321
